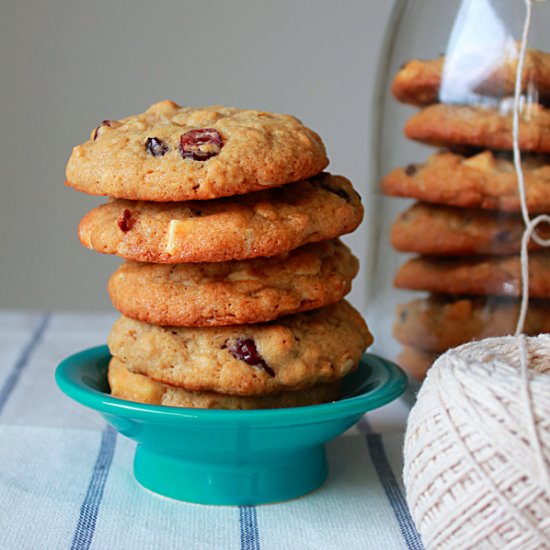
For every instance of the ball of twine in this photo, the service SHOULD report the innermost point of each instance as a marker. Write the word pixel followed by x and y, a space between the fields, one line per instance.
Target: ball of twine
pixel 477 463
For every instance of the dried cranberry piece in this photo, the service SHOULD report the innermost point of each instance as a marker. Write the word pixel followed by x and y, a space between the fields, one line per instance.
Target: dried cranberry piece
pixel 200 144
pixel 410 169
pixel 103 123
pixel 246 350
pixel 323 183
pixel 125 221
pixel 156 146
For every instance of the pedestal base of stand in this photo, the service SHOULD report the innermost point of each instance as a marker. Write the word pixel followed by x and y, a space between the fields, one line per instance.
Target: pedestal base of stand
pixel 231 482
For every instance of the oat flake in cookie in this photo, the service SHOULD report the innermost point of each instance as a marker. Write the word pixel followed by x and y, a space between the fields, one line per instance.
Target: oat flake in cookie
pixel 173 153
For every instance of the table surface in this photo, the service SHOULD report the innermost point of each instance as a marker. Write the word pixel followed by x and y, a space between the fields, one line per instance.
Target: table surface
pixel 66 479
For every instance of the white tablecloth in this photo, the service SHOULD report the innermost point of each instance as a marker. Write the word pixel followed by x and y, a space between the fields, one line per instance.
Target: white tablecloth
pixel 66 479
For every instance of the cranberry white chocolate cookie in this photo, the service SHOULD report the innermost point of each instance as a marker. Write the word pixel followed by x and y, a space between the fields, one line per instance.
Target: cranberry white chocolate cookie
pixel 293 353
pixel 419 82
pixel 444 230
pixel 173 153
pixel 480 126
pixel 476 275
pixel 137 387
pixel 235 292
pixel 265 223
pixel 485 180
pixel 440 322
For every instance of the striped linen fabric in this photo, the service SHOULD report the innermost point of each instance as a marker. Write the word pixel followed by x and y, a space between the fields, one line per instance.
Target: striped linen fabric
pixel 66 479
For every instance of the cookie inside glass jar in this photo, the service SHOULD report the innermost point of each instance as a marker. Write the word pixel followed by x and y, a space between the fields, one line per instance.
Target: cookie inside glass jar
pixel 447 263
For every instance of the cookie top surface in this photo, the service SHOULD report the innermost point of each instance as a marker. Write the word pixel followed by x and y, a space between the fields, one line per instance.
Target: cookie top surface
pixel 261 224
pixel 476 275
pixel 421 82
pixel 292 353
pixel 438 323
pixel 173 153
pixel 234 292
pixel 484 181
pixel 444 230
pixel 137 387
pixel 482 127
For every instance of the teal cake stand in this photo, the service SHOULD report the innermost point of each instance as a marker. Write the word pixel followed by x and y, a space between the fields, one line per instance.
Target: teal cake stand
pixel 230 457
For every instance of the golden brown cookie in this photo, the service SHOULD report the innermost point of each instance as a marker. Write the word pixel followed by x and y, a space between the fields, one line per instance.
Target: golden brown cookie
pixel 476 275
pixel 483 127
pixel 173 153
pixel 265 223
pixel 481 181
pixel 293 353
pixel 444 230
pixel 418 82
pixel 440 322
pixel 416 361
pixel 137 387
pixel 235 292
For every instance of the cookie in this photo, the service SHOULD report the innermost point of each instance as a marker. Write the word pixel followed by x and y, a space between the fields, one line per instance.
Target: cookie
pixel 438 323
pixel 418 82
pixel 235 292
pixel 136 387
pixel 484 181
pixel 444 230
pixel 173 153
pixel 265 223
pixel 480 127
pixel 476 275
pixel 416 361
pixel 293 353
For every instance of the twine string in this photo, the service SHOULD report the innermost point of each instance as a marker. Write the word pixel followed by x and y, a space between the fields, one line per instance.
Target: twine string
pixel 528 234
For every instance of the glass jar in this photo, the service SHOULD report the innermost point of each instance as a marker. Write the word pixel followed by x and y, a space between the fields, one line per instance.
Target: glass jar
pixel 446 253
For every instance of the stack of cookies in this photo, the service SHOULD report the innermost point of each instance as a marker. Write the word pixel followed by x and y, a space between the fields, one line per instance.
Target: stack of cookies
pixel 466 227
pixel 232 290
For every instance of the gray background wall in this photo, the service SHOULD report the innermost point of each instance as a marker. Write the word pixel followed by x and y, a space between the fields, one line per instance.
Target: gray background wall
pixel 65 65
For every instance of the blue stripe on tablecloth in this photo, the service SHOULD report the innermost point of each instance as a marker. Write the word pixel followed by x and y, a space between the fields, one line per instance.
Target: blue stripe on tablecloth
pixel 364 425
pixel 250 536
pixel 389 483
pixel 23 360
pixel 84 532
